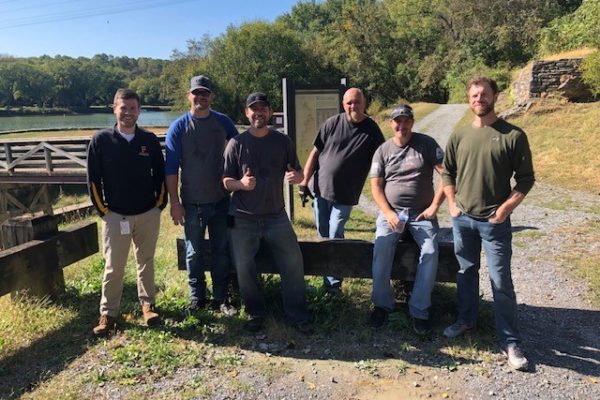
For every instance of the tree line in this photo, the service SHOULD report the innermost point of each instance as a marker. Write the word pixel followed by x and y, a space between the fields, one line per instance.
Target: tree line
pixel 409 49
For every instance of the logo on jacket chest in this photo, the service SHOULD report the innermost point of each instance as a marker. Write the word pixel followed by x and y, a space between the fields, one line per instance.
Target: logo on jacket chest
pixel 144 151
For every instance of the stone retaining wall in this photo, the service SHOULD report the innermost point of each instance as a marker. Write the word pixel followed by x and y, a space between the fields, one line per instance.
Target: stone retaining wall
pixel 543 77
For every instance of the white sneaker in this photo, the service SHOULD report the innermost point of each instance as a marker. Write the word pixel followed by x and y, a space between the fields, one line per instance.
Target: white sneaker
pixel 516 358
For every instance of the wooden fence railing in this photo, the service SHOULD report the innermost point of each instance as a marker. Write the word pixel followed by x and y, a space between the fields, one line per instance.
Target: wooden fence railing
pixel 61 160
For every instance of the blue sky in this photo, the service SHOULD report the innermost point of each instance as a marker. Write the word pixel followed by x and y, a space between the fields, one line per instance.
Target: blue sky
pixel 134 28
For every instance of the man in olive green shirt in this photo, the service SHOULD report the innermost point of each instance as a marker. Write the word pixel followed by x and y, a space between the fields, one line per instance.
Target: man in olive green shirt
pixel 479 163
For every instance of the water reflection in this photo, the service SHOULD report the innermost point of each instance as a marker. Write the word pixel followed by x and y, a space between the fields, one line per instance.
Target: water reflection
pixel 83 121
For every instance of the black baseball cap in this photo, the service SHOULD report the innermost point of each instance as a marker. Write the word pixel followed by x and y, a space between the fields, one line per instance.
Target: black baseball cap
pixel 200 82
pixel 402 110
pixel 256 97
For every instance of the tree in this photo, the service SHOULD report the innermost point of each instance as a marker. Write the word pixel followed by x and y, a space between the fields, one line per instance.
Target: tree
pixel 255 57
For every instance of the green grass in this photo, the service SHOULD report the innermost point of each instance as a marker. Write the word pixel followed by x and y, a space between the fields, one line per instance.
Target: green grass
pixel 583 261
pixel 564 139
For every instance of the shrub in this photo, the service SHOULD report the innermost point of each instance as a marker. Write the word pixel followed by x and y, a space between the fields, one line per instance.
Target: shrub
pixel 591 72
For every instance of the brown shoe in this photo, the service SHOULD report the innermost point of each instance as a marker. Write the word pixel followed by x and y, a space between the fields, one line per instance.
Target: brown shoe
pixel 150 315
pixel 105 325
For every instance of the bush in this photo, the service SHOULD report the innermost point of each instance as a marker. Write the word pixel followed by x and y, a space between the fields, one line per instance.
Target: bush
pixel 572 31
pixel 591 72
pixel 459 76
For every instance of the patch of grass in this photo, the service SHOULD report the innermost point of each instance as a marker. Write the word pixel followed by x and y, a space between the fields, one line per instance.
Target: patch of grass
pixel 584 259
pixel 142 355
pixel 577 53
pixel 564 143
pixel 368 366
pixel 228 359
pixel 25 320
pixel 402 367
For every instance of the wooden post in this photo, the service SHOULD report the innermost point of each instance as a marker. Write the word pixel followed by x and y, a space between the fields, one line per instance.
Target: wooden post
pixel 9 158
pixel 48 159
pixel 19 230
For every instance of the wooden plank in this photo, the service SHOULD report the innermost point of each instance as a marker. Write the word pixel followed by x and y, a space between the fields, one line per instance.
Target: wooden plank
pixel 24 265
pixel 347 258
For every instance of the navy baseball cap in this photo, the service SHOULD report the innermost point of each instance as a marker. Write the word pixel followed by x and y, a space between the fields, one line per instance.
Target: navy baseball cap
pixel 200 82
pixel 402 110
pixel 256 97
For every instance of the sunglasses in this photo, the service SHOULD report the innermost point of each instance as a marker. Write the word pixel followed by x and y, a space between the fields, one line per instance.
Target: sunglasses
pixel 200 92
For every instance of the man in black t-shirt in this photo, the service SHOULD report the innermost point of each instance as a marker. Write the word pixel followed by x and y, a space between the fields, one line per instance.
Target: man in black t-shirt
pixel 340 162
pixel 256 162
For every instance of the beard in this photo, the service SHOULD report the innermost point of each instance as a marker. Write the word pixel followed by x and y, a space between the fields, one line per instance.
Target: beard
pixel 484 110
pixel 259 123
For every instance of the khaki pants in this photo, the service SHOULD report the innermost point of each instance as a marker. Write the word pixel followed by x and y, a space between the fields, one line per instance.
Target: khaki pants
pixel 143 230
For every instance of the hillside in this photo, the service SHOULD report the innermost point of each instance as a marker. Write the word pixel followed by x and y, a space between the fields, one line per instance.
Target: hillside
pixel 564 140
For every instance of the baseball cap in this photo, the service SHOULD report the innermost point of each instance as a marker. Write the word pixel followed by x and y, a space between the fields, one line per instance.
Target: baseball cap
pixel 256 97
pixel 402 110
pixel 200 82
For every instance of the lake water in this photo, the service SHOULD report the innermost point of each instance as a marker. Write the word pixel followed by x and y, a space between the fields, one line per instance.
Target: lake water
pixel 88 121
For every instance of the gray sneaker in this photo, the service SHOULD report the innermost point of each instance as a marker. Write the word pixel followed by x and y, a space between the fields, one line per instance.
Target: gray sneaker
pixel 516 358
pixel 457 329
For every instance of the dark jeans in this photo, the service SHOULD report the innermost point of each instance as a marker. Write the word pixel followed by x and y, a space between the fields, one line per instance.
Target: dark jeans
pixel 199 217
pixel 246 235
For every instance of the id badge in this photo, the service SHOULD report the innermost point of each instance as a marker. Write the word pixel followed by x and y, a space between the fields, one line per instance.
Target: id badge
pixel 125 227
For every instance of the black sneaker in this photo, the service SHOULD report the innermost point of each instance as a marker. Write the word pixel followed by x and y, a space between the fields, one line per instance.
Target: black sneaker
pixel 378 317
pixel 224 307
pixel 196 305
pixel 421 326
pixel 334 290
pixel 254 324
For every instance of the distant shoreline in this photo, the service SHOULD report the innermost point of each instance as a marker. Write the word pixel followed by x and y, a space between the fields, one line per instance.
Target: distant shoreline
pixel 27 111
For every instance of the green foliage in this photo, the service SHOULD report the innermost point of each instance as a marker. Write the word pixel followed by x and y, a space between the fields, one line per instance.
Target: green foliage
pixel 572 31
pixel 460 74
pixel 420 50
pixel 76 83
pixel 591 72
pixel 255 57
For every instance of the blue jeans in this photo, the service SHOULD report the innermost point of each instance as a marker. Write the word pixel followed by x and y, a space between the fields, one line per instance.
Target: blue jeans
pixel 277 233
pixel 424 233
pixel 330 219
pixel 469 235
pixel 199 217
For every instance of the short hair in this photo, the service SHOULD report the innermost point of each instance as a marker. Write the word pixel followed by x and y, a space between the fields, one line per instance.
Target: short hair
pixel 126 94
pixel 481 80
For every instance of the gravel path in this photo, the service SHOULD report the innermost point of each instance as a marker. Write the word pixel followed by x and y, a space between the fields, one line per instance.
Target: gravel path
pixel 559 325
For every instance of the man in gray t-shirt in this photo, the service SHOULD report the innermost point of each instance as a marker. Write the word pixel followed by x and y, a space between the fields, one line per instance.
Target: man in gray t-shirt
pixel 402 186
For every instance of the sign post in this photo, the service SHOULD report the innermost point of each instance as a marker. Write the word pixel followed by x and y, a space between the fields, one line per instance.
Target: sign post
pixel 305 108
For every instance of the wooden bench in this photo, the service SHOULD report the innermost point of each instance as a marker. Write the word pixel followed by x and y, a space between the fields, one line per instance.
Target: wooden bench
pixel 36 253
pixel 348 259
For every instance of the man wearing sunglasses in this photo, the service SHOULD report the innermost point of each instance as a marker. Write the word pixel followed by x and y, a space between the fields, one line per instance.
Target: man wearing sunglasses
pixel 195 143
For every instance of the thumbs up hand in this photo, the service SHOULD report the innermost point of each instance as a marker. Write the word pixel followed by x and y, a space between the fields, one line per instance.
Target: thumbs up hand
pixel 293 176
pixel 248 181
